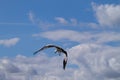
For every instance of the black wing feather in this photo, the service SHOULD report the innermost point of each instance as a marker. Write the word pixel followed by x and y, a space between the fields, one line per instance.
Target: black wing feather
pixel 64 64
pixel 45 47
pixel 49 46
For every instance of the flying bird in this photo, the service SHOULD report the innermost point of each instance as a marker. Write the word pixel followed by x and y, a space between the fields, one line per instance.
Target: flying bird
pixel 58 50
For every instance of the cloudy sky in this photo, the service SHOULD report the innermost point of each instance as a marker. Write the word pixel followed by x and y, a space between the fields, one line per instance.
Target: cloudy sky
pixel 88 30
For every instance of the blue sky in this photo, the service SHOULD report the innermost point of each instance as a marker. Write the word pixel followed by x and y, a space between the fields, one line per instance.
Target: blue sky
pixel 89 30
pixel 15 21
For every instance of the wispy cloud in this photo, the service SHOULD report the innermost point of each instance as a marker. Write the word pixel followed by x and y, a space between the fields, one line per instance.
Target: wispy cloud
pixel 107 14
pixel 32 17
pixel 59 34
pixel 67 22
pixel 92 37
pixel 61 20
pixel 36 21
pixel 74 21
pixel 9 42
pixel 14 23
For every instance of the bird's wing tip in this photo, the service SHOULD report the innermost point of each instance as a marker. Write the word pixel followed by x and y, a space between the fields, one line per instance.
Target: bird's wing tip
pixel 34 53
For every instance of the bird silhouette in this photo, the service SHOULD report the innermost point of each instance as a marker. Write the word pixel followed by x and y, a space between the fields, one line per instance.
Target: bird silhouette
pixel 58 50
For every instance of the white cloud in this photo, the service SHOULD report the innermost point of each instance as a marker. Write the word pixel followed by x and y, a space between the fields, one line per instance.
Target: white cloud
pixel 89 37
pixel 107 14
pixel 39 67
pixel 60 34
pixel 61 20
pixel 9 42
pixel 95 62
pixel 31 17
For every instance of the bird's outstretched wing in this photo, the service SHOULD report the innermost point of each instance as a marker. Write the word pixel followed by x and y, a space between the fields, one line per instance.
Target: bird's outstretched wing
pixel 65 53
pixel 64 64
pixel 44 47
pixel 58 48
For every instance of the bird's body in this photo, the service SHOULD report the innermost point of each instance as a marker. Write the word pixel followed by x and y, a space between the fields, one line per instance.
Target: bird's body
pixel 58 49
